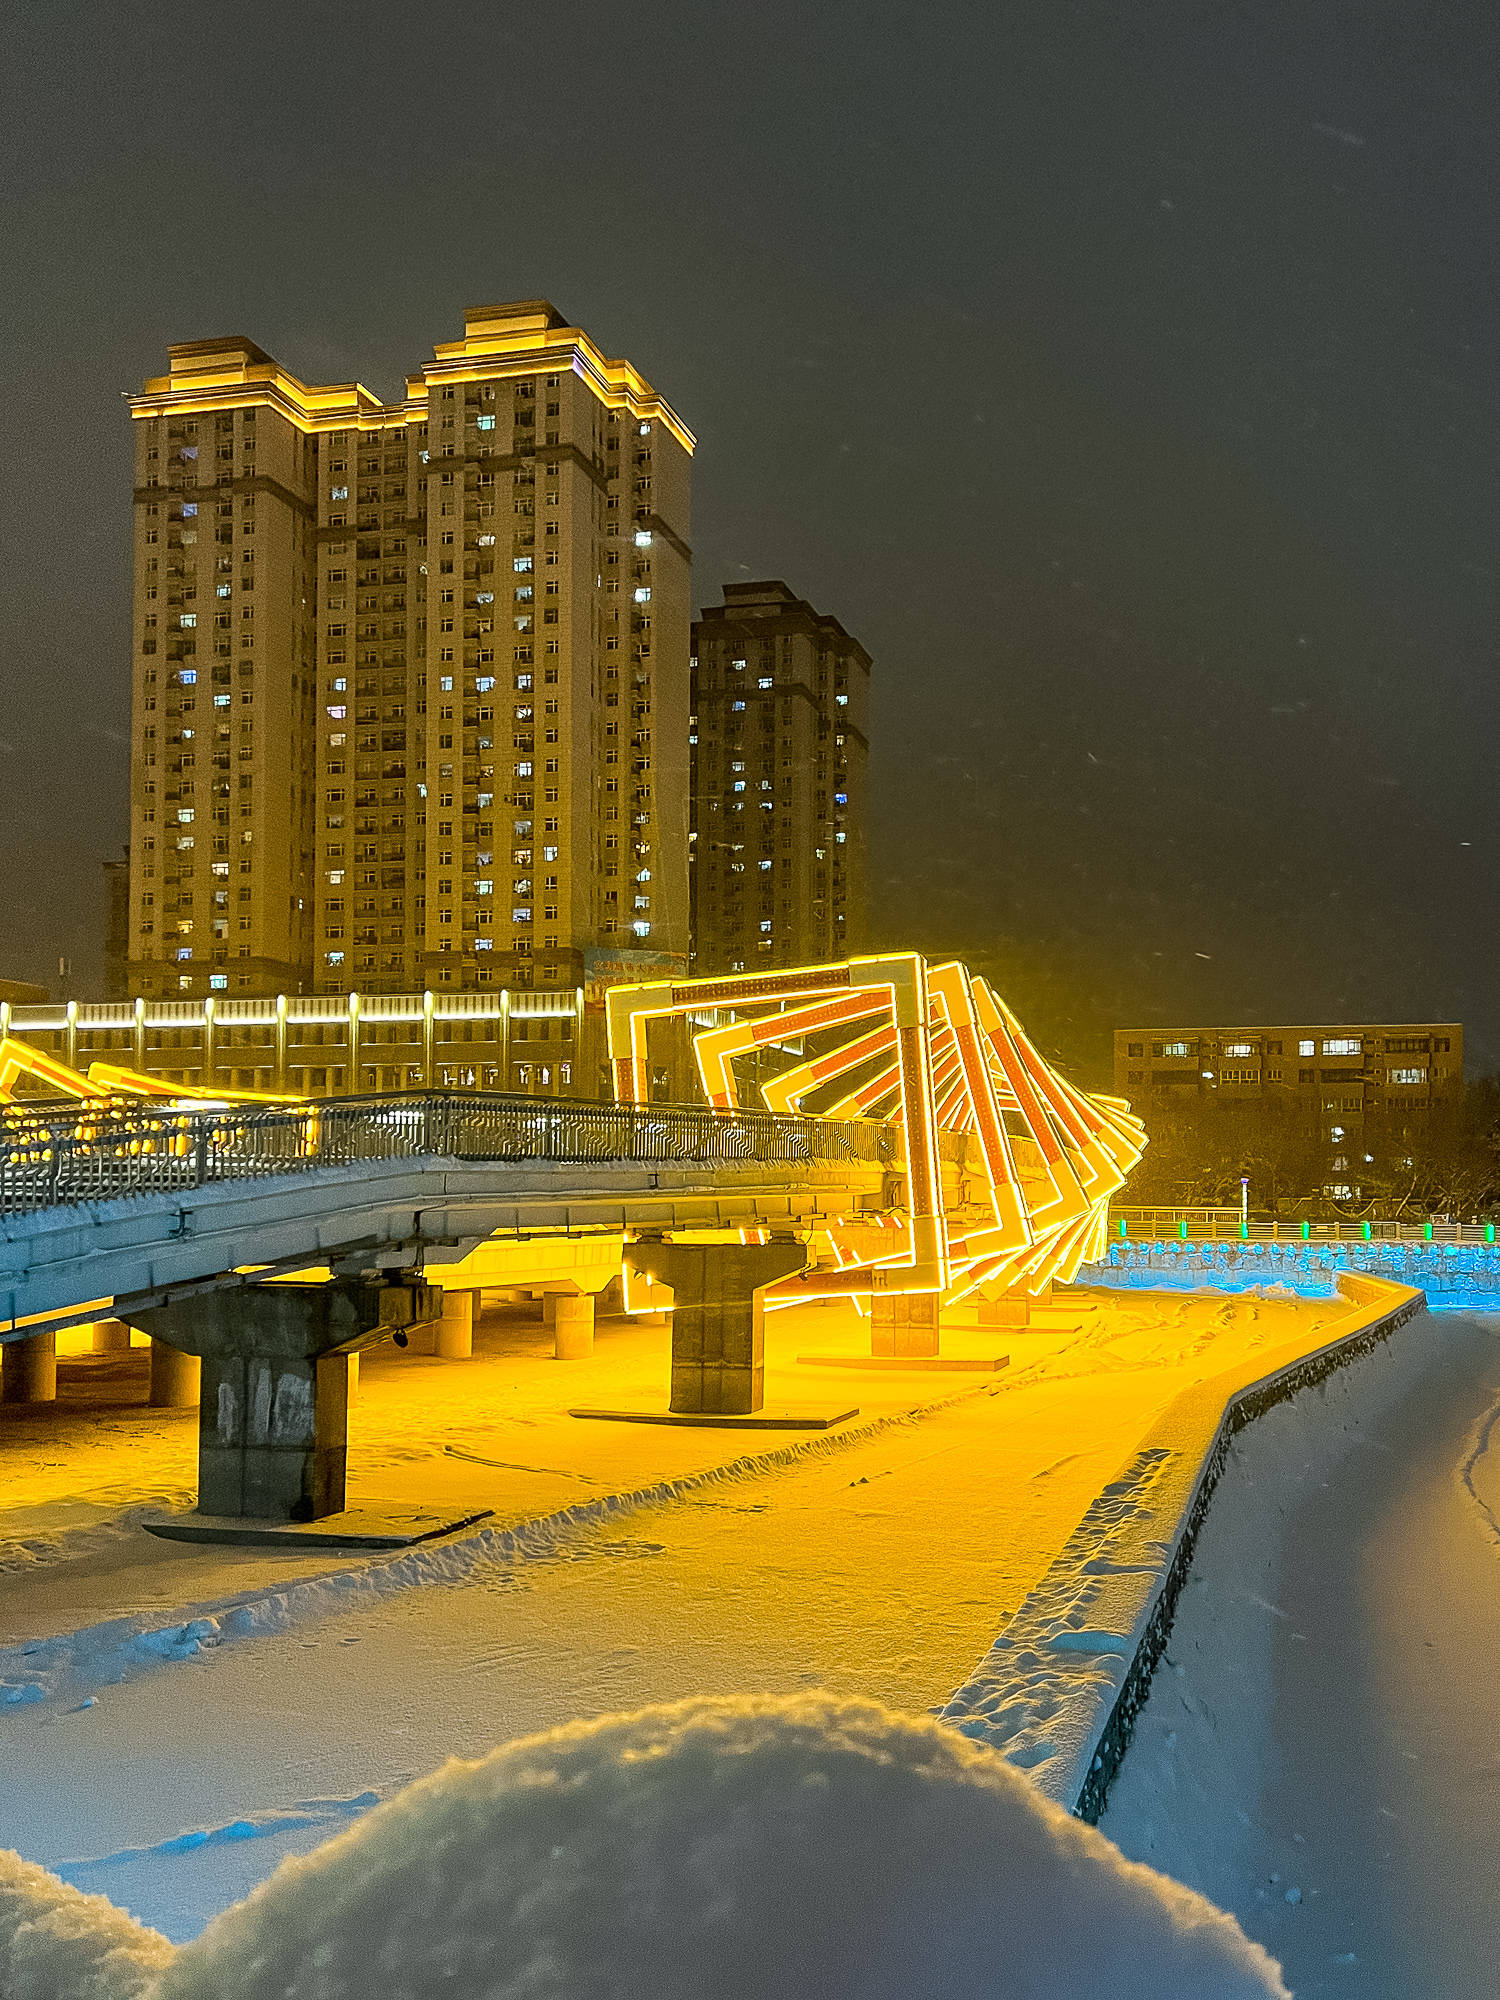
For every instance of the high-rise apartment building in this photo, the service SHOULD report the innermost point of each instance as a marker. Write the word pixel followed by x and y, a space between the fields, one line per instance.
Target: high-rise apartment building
pixel 411 681
pixel 780 745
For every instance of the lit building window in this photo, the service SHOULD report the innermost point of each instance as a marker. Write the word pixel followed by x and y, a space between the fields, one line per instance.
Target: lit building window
pixel 1342 1045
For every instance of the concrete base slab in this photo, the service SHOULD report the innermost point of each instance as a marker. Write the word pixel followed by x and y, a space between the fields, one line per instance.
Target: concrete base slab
pixel 926 1364
pixel 799 1419
pixel 355 1528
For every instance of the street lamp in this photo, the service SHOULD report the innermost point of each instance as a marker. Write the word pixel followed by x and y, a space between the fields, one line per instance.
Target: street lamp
pixel 1244 1201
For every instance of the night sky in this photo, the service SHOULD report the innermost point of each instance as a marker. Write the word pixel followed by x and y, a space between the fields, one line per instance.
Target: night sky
pixel 1124 375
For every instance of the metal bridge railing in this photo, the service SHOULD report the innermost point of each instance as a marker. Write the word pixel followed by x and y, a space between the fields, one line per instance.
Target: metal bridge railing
pixel 86 1154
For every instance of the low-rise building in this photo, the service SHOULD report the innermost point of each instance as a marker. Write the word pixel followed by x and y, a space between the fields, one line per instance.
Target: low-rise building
pixel 1334 1071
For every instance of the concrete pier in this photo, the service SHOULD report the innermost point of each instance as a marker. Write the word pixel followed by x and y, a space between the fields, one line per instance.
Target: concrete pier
pixel 904 1323
pixel 454 1332
pixel 718 1318
pixel 28 1370
pixel 1011 1309
pixel 572 1315
pixel 175 1378
pixel 276 1386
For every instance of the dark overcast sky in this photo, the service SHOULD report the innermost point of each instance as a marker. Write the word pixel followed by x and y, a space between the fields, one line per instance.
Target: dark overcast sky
pixel 1123 373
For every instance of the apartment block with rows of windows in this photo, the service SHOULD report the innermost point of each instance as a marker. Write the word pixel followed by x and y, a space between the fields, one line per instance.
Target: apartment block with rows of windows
pixel 411 684
pixel 779 747
pixel 1332 1072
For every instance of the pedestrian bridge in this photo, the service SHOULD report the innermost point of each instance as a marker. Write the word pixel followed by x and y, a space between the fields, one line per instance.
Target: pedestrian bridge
pixel 141 1204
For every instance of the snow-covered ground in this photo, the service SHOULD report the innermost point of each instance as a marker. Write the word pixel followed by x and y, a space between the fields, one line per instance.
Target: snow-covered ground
pixel 1320 1753
pixel 179 1719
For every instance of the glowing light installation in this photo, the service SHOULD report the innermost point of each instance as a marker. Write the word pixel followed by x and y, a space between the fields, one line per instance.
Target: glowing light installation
pixel 1008 1168
pixel 19 1060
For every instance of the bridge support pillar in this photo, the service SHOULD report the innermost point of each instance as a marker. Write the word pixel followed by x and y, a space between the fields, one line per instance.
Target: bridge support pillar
pixel 903 1323
pixel 28 1370
pixel 455 1330
pixel 175 1378
pixel 1010 1309
pixel 273 1427
pixel 718 1318
pixel 572 1318
pixel 110 1336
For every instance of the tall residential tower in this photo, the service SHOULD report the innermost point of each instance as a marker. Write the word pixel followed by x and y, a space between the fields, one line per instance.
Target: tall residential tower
pixel 779 748
pixel 411 682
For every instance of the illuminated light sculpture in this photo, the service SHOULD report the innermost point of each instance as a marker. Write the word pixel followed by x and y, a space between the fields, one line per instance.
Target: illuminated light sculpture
pixel 1031 1162
pixel 104 1080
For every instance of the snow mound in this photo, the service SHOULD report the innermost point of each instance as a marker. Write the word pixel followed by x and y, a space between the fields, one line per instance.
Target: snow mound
pixel 744 1848
pixel 57 1944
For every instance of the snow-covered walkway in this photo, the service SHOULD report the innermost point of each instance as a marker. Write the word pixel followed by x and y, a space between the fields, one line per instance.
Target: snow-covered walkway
pixel 1321 1752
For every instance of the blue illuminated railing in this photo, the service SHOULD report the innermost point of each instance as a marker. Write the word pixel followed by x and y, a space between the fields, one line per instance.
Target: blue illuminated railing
pixel 88 1154
pixel 1457 1276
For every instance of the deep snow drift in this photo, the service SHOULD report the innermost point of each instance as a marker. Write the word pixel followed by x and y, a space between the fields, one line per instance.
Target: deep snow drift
pixel 58 1944
pixel 746 1848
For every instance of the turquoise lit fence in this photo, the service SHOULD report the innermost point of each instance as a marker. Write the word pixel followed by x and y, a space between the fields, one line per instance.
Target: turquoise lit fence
pixel 1457 1277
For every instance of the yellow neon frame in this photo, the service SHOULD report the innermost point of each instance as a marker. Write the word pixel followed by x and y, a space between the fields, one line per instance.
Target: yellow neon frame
pixel 949 1055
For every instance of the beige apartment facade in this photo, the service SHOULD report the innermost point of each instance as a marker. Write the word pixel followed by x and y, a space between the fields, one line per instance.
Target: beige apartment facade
pixel 1334 1072
pixel 780 745
pixel 411 682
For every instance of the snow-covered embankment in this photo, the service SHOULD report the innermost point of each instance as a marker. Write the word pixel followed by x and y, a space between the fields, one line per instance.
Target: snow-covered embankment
pixel 1060 1690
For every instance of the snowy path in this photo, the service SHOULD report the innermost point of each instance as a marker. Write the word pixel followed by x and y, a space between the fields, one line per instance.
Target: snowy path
pixel 884 1566
pixel 1322 1755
